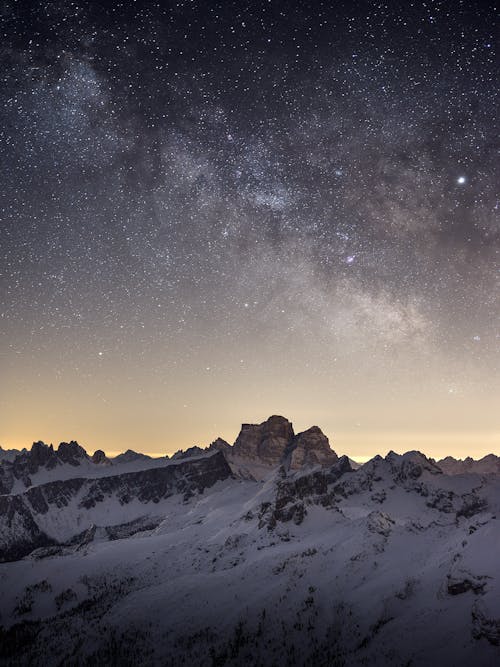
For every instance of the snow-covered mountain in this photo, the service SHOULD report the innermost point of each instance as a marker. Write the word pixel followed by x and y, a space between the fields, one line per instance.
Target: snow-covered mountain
pixel 43 463
pixel 273 551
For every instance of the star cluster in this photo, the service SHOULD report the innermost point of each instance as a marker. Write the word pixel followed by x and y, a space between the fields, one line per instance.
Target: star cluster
pixel 213 211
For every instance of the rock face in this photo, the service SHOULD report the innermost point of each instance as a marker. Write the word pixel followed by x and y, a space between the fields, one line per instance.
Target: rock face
pixel 310 448
pixel 100 458
pixel 220 445
pixel 72 453
pixel 266 442
pixel 274 443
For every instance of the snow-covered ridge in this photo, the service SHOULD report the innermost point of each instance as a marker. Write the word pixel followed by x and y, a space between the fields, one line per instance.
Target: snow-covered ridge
pixel 489 464
pixel 258 449
pixel 57 511
pixel 44 463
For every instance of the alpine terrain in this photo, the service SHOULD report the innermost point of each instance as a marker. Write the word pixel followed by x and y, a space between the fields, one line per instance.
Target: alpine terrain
pixel 270 551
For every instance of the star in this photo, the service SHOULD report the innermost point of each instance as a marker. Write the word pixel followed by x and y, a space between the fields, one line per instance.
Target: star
pixel 461 180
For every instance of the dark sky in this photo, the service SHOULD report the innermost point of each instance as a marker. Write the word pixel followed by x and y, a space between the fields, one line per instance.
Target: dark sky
pixel 212 212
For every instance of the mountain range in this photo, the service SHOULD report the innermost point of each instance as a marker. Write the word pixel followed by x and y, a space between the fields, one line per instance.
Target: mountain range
pixel 270 551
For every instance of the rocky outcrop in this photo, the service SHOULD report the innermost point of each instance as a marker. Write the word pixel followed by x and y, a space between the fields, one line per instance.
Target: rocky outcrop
pixel 220 445
pixel 311 448
pixel 28 463
pixel 72 453
pixel 100 458
pixel 266 442
pixel 294 494
pixel 484 625
pixel 41 457
pixel 188 453
pixel 274 443
pixel 411 465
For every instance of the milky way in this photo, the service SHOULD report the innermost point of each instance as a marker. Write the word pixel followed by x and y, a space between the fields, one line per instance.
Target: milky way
pixel 212 212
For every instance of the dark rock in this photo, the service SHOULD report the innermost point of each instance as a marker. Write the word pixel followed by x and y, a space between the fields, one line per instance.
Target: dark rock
pixel 483 626
pixel 471 505
pixel 72 453
pixel 456 585
pixel 100 458
pixel 220 445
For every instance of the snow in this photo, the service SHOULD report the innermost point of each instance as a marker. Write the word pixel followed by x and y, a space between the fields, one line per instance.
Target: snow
pixel 363 579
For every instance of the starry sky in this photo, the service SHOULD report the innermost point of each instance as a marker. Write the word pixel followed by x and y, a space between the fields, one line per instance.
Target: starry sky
pixel 216 211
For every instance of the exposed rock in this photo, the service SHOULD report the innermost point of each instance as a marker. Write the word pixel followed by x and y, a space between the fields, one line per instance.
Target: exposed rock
pixel 311 448
pixel 10 454
pixel 293 493
pixel 72 453
pixel 471 505
pixel 188 453
pixel 411 465
pixel 273 443
pixel 220 445
pixel 483 626
pixel 100 458
pixel 381 523
pixel 266 442
pixel 40 455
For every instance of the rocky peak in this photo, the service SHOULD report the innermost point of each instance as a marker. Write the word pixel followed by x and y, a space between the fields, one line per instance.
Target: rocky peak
pixel 39 456
pixel 310 448
pixel 274 443
pixel 130 455
pixel 266 442
pixel 41 452
pixel 411 464
pixel 219 444
pixel 100 458
pixel 188 453
pixel 71 452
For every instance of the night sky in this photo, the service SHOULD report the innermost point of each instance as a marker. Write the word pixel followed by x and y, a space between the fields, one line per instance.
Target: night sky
pixel 213 212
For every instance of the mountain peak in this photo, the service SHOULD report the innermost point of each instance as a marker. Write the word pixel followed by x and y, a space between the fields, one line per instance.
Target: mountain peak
pixel 130 455
pixel 266 442
pixel 71 452
pixel 311 447
pixel 99 457
pixel 273 442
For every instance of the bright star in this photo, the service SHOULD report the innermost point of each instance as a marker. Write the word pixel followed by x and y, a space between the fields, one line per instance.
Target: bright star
pixel 461 180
